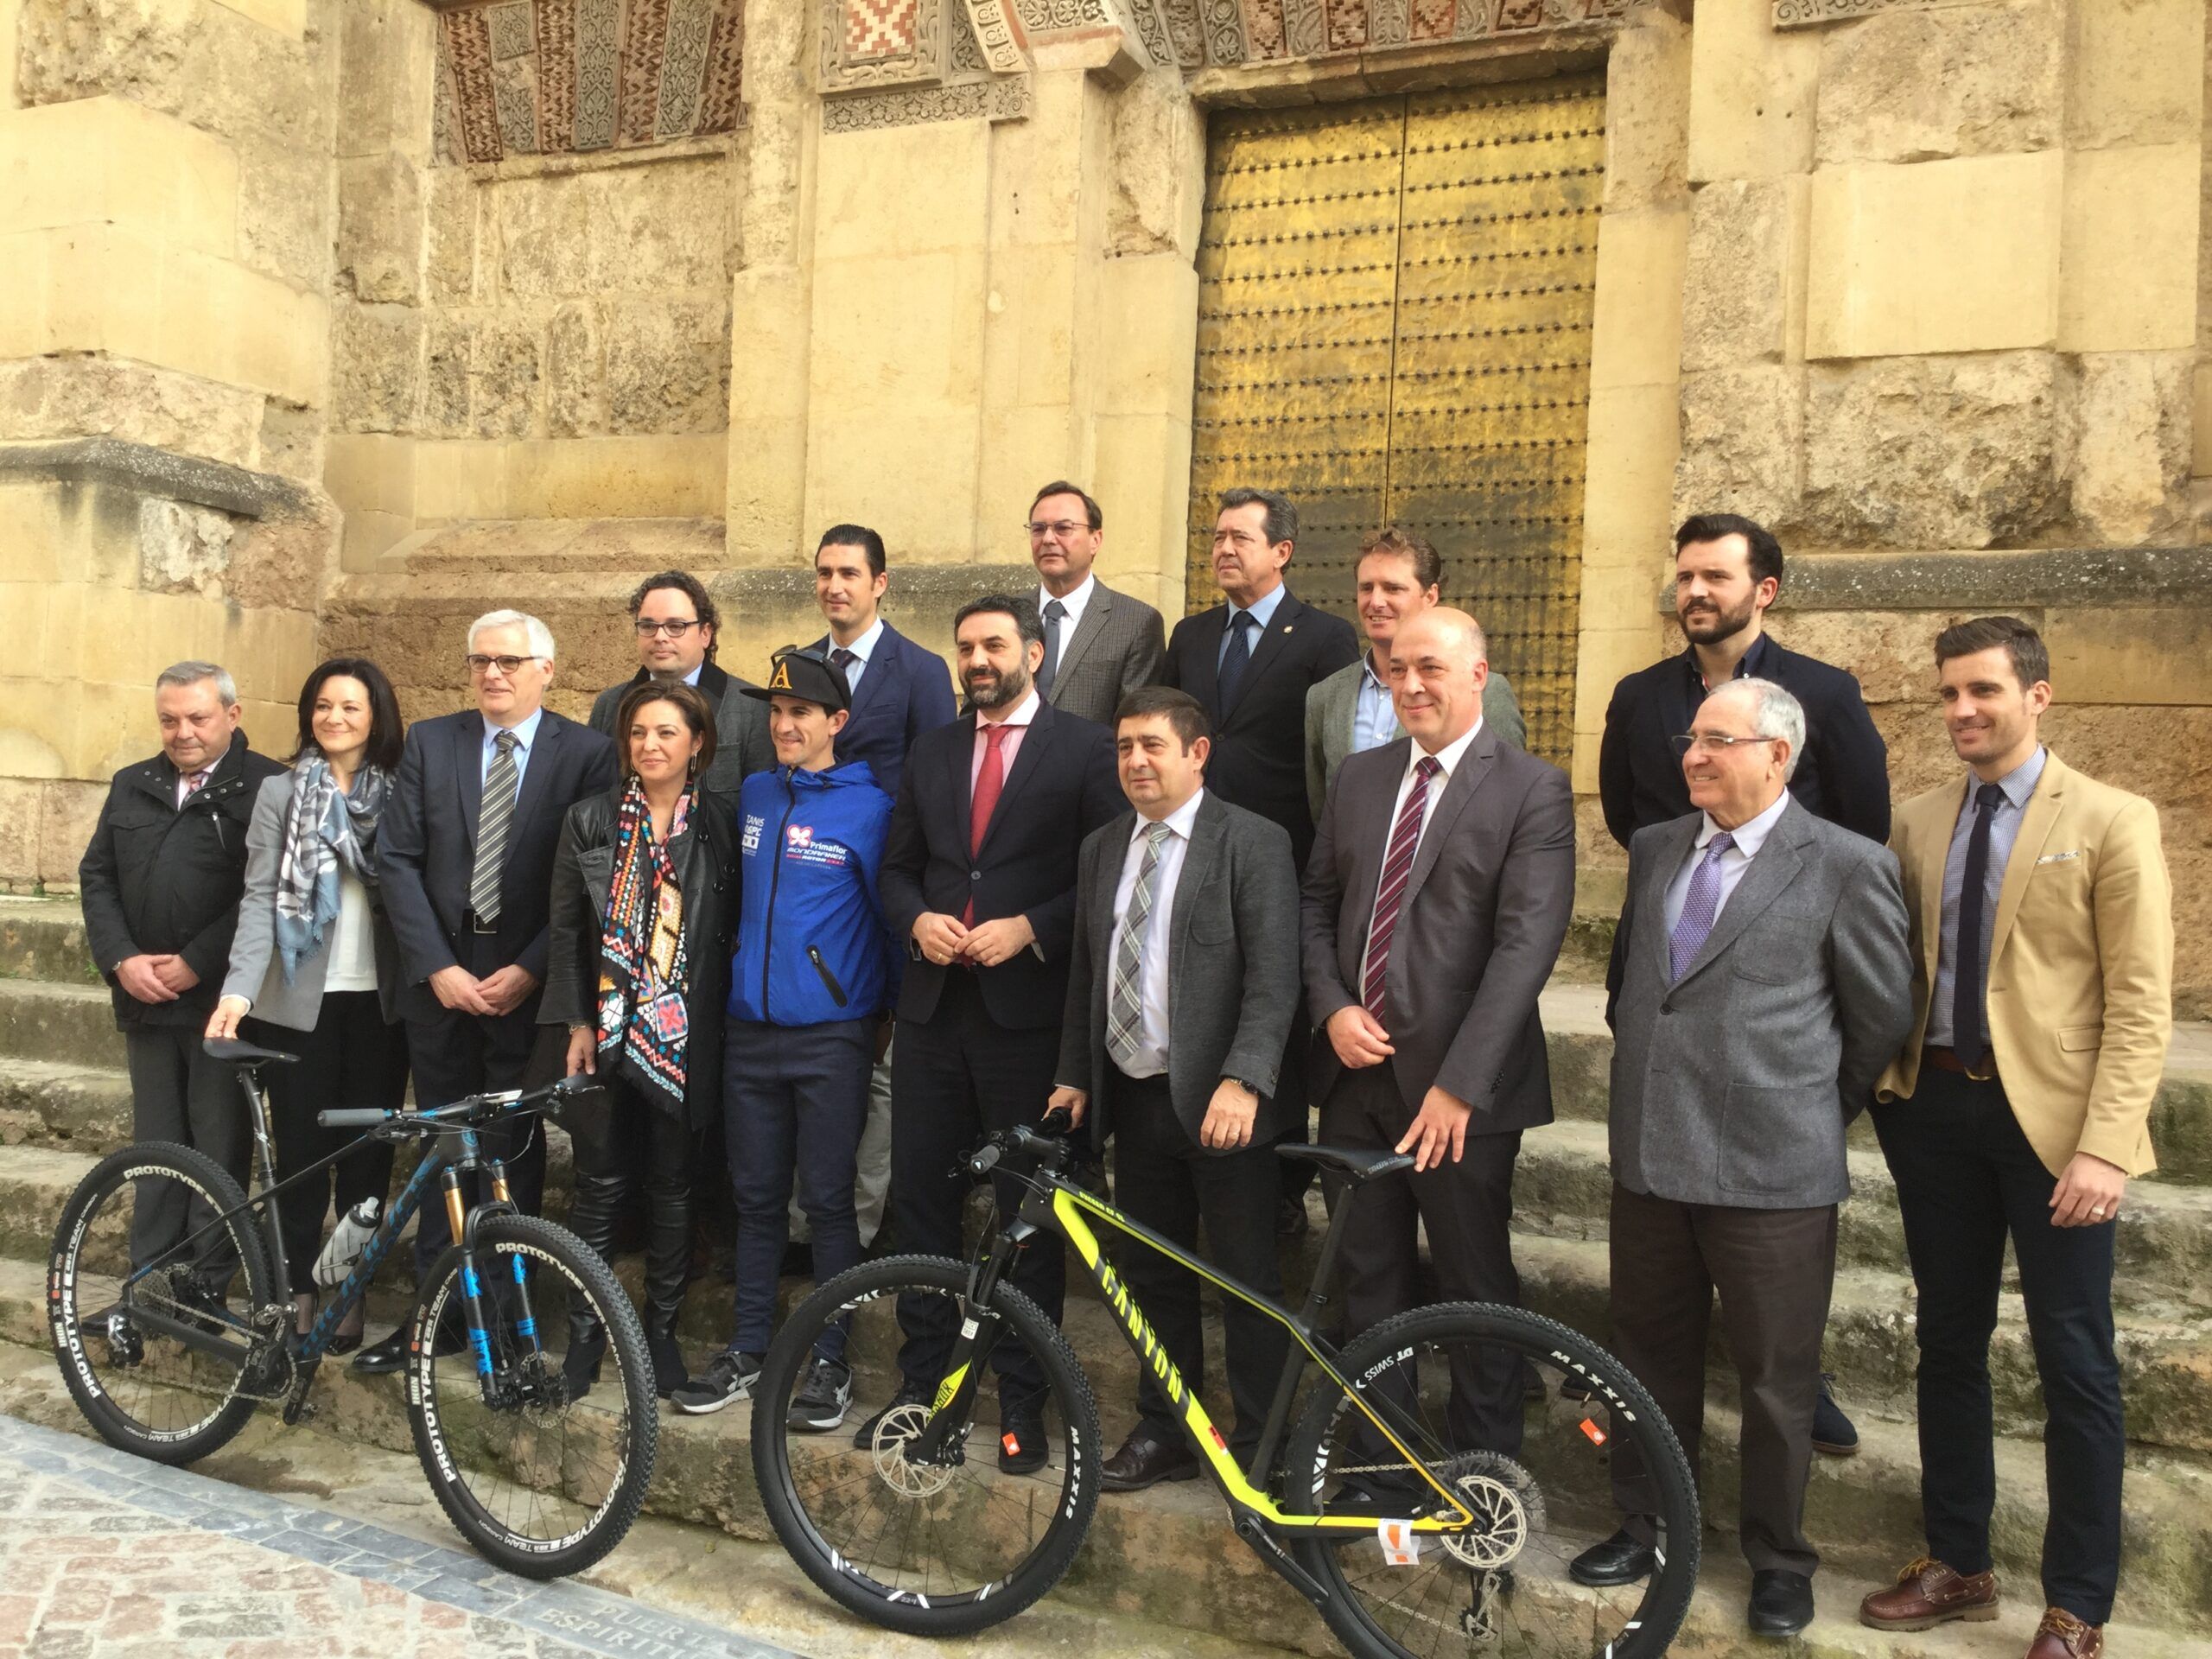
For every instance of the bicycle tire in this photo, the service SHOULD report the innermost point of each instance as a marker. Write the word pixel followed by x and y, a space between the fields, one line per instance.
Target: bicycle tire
pixel 638 1424
pixel 1632 1416
pixel 71 1267
pixel 893 1608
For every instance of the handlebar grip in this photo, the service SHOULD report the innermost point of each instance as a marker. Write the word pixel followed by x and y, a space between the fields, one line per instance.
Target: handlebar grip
pixel 353 1117
pixel 985 1160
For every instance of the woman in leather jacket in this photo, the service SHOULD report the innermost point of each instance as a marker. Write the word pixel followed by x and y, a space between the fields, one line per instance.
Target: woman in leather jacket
pixel 643 904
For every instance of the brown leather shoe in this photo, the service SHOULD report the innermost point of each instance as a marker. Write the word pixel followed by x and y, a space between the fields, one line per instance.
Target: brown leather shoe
pixel 1144 1461
pixel 2061 1635
pixel 1929 1594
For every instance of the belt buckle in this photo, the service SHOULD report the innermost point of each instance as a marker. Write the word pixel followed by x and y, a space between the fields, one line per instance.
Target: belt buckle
pixel 477 925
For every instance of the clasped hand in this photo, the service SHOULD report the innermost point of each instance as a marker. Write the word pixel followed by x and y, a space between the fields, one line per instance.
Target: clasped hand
pixel 946 939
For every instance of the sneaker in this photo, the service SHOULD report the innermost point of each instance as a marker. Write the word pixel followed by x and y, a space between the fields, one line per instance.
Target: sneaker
pixel 908 1395
pixel 729 1375
pixel 823 1396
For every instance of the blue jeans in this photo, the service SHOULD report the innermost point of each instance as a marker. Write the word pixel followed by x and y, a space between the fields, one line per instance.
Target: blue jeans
pixel 794 1101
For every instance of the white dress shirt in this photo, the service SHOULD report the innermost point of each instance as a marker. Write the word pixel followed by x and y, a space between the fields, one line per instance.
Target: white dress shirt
pixel 862 648
pixel 1074 604
pixel 1750 837
pixel 351 965
pixel 1151 1059
pixel 1448 758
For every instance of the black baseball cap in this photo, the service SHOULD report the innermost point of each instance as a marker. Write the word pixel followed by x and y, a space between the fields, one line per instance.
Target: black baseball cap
pixel 806 675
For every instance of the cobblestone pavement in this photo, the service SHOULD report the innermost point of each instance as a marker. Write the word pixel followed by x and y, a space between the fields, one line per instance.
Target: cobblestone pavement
pixel 102 1554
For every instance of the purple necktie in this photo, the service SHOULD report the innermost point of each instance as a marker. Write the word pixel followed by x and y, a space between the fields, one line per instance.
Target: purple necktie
pixel 1700 907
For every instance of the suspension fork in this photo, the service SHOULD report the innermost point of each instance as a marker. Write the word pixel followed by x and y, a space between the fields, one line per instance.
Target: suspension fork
pixel 972 1349
pixel 472 1289
pixel 524 1325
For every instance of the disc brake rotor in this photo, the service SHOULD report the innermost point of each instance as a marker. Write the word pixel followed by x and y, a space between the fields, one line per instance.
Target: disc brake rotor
pixel 1507 1503
pixel 901 1427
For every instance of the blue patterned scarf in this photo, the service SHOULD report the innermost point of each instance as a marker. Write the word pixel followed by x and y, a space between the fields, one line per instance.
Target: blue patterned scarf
pixel 327 829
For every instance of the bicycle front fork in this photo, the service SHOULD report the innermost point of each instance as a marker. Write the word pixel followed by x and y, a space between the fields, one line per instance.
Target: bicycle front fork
pixel 972 1349
pixel 521 1333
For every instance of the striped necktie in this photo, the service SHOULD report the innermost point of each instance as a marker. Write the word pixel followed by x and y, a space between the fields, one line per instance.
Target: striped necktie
pixel 1125 999
pixel 1397 870
pixel 494 819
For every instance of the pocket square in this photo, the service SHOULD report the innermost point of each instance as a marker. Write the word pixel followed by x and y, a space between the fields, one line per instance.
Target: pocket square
pixel 2058 858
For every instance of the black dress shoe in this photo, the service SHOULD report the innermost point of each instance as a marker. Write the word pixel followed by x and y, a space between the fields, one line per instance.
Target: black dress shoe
pixel 380 1358
pixel 1023 1447
pixel 1145 1460
pixel 1833 1432
pixel 1782 1603
pixel 1620 1559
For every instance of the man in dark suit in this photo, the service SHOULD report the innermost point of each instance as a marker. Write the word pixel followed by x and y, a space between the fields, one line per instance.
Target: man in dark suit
pixel 1728 572
pixel 160 883
pixel 1439 893
pixel 465 856
pixel 899 690
pixel 1099 644
pixel 1748 1033
pixel 1181 983
pixel 678 626
pixel 979 886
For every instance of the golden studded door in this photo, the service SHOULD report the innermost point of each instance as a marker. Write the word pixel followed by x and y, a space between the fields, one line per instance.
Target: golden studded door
pixel 1394 304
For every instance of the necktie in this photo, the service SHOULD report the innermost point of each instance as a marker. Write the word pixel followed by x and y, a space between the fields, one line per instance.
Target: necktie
pixel 1125 997
pixel 1237 658
pixel 194 782
pixel 1397 867
pixel 1055 613
pixel 1969 1019
pixel 988 782
pixel 1701 906
pixel 493 817
pixel 843 661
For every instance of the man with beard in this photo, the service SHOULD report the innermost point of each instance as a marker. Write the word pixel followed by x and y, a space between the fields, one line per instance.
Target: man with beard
pixel 979 886
pixel 1728 571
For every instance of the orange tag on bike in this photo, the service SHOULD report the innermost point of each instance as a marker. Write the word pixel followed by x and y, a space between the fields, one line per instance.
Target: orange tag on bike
pixel 1011 1443
pixel 1597 1435
pixel 1400 1543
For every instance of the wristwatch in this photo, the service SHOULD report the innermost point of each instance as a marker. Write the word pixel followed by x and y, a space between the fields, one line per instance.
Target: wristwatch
pixel 1247 1084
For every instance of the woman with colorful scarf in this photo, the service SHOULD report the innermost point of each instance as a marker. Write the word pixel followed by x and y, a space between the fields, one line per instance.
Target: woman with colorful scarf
pixel 638 967
pixel 314 957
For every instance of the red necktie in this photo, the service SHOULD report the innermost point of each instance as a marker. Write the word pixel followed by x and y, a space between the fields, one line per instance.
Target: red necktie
pixel 1397 868
pixel 988 782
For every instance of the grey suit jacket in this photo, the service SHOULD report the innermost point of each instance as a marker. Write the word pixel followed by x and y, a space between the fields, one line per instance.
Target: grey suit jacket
pixel 1232 966
pixel 1733 1085
pixel 1332 705
pixel 742 745
pixel 1484 911
pixel 1118 646
pixel 255 971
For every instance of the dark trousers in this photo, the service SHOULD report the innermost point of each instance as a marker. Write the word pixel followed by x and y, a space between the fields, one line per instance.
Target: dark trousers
pixel 457 1054
pixel 625 1145
pixel 955 1078
pixel 1171 1184
pixel 1967 1180
pixel 179 1094
pixel 351 1059
pixel 795 1100
pixel 1467 1208
pixel 1774 1270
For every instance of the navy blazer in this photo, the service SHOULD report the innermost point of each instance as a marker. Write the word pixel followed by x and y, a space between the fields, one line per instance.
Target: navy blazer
pixel 1063 786
pixel 426 845
pixel 904 692
pixel 1843 776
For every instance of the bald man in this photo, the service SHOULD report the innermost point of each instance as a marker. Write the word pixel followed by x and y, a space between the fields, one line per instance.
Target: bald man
pixel 1430 1041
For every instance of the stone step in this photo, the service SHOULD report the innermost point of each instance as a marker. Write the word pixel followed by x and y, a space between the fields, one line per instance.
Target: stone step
pixel 61 1105
pixel 44 938
pixel 1165 1555
pixel 53 1021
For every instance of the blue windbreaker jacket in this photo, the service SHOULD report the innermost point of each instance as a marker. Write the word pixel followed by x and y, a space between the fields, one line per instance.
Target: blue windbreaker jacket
pixel 812 945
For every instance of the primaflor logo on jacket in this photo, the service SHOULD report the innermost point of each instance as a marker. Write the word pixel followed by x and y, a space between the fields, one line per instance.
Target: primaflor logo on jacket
pixel 812 945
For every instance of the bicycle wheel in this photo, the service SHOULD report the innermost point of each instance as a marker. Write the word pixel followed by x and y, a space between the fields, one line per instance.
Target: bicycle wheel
pixel 541 1485
pixel 1500 1587
pixel 146 1390
pixel 938 1548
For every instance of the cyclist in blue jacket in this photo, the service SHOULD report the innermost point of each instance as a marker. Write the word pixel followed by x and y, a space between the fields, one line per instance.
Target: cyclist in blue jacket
pixel 809 987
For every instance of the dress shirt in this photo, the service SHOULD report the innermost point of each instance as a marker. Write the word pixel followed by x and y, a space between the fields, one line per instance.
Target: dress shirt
pixel 2019 785
pixel 1017 725
pixel 692 678
pixel 1262 610
pixel 1748 838
pixel 525 740
pixel 1073 604
pixel 1374 715
pixel 352 962
pixel 1448 759
pixel 862 648
pixel 1150 1059
pixel 1750 665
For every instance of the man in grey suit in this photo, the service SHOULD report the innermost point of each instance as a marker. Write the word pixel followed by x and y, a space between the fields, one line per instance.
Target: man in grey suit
pixel 1181 983
pixel 1761 982
pixel 1400 575
pixel 1435 902
pixel 678 627
pixel 1099 644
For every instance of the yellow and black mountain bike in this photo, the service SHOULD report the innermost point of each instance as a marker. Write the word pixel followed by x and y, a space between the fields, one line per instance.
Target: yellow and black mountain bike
pixel 1381 1510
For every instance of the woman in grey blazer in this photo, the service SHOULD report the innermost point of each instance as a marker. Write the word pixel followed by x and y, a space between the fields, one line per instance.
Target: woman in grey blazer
pixel 315 957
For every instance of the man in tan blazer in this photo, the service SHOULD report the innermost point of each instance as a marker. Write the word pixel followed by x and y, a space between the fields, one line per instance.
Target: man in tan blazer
pixel 2042 937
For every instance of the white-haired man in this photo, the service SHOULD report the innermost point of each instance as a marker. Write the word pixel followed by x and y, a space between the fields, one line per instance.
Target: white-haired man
pixel 1760 982
pixel 466 860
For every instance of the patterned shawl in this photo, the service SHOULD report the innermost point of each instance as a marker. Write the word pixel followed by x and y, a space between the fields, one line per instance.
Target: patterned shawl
pixel 643 973
pixel 326 828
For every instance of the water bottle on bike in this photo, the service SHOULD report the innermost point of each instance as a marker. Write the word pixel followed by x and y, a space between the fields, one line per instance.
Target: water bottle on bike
pixel 342 1254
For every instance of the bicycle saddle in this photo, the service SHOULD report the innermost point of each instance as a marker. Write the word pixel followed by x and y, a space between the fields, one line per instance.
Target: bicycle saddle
pixel 1354 1167
pixel 229 1048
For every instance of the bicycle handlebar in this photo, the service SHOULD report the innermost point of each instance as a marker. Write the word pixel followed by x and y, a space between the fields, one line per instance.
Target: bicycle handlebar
pixel 1048 1148
pixel 472 1108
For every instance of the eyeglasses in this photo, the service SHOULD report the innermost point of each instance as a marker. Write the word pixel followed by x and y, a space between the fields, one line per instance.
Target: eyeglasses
pixel 1039 529
pixel 673 630
pixel 1714 742
pixel 508 665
